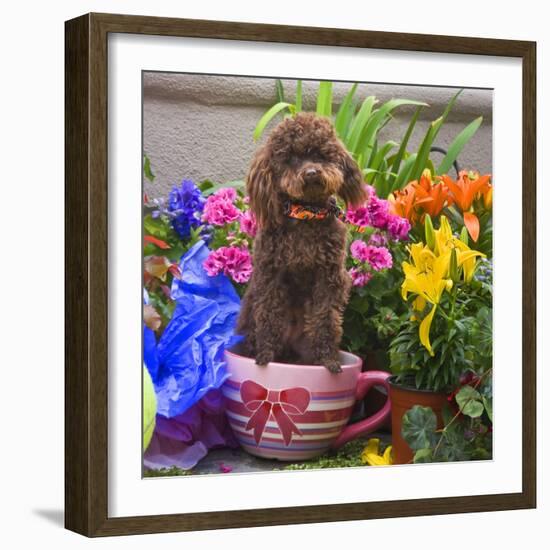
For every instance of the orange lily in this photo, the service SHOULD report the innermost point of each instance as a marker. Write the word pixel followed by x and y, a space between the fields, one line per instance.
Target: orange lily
pixel 420 197
pixel 468 187
pixel 438 192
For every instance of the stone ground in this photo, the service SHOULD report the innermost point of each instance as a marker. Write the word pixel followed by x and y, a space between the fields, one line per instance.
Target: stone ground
pixel 239 461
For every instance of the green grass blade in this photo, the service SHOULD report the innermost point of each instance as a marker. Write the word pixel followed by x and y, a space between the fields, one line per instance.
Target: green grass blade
pixel 358 124
pixel 298 102
pixel 267 116
pixel 404 142
pixel 458 144
pixel 382 154
pixel 404 174
pixel 280 91
pixel 424 150
pixel 429 138
pixel 324 98
pixel 379 119
pixel 345 113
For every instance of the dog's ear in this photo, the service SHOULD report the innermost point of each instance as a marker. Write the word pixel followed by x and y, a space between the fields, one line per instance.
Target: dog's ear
pixel 261 187
pixel 353 190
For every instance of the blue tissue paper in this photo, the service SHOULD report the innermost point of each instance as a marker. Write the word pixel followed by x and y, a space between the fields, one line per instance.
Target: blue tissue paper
pixel 188 360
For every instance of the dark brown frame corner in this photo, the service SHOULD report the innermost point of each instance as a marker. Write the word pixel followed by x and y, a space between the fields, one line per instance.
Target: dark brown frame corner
pixel 86 317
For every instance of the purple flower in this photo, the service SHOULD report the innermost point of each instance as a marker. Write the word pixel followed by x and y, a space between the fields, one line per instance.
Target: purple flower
pixel 359 250
pixel 378 211
pixel 378 239
pixel 359 277
pixel 379 257
pixel 248 223
pixel 233 261
pixel 399 228
pixel 185 203
pixel 359 216
pixel 219 208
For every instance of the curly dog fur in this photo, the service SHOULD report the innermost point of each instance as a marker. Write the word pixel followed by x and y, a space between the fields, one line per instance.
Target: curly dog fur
pixel 292 310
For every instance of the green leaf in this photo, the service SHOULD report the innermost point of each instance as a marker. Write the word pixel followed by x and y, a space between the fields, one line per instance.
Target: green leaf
pixel 469 401
pixel 422 159
pixel 280 91
pixel 205 185
pixel 324 98
pixel 424 149
pixel 423 456
pixel 359 123
pixel 298 102
pixel 267 116
pixel 458 144
pixel 404 174
pixel 403 147
pixel 147 169
pixel 379 119
pixel 345 113
pixel 155 227
pixel 488 404
pixel 418 427
pixel 237 184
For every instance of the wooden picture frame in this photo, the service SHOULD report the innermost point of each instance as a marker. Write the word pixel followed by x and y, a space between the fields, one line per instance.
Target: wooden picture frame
pixel 86 222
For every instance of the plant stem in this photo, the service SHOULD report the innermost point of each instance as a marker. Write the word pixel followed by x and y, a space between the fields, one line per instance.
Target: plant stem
pixel 444 430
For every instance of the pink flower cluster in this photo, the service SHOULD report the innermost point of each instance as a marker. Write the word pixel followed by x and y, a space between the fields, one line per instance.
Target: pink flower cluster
pixel 376 213
pixel 372 257
pixel 359 277
pixel 248 223
pixel 233 261
pixel 219 208
pixel 379 257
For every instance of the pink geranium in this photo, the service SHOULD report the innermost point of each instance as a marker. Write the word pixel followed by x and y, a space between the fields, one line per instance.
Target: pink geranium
pixel 359 277
pixel 233 261
pixel 379 211
pixel 248 223
pixel 399 228
pixel 359 250
pixel 379 257
pixel 358 216
pixel 219 208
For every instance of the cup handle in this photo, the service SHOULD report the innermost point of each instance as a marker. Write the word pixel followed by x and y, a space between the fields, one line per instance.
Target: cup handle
pixel 366 381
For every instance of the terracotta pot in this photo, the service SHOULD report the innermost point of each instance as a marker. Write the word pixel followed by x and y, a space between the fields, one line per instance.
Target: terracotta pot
pixel 402 398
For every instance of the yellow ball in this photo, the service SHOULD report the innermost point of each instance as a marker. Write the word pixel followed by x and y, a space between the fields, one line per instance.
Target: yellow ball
pixel 149 408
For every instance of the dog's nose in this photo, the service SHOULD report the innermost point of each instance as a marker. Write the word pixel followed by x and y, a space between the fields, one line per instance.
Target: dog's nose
pixel 311 174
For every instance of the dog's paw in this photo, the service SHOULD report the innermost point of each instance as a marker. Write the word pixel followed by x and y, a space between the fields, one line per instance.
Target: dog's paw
pixel 333 366
pixel 262 359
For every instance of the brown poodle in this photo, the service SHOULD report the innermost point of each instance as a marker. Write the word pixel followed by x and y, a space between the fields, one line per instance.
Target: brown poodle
pixel 292 310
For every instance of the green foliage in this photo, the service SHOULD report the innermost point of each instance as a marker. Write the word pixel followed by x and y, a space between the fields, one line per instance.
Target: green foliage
pixel 167 472
pixel 418 427
pixel 358 125
pixel 463 436
pixel 147 169
pixel 458 144
pixel 470 402
pixel 375 313
pixel 462 338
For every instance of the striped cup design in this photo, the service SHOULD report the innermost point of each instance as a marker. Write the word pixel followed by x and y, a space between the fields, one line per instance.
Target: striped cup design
pixel 288 412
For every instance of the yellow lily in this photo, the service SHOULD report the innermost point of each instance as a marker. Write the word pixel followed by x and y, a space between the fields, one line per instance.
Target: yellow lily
pixel 427 277
pixel 371 454
pixel 445 241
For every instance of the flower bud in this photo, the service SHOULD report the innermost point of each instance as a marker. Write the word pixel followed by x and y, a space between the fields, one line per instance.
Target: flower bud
pixel 429 232
pixel 453 267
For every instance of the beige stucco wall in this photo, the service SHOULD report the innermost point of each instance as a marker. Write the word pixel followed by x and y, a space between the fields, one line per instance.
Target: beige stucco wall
pixel 200 127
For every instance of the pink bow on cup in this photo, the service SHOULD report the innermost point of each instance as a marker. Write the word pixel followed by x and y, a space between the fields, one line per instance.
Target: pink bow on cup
pixel 280 403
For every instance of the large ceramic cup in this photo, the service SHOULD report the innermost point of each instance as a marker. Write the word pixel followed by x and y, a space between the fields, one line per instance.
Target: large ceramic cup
pixel 295 412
